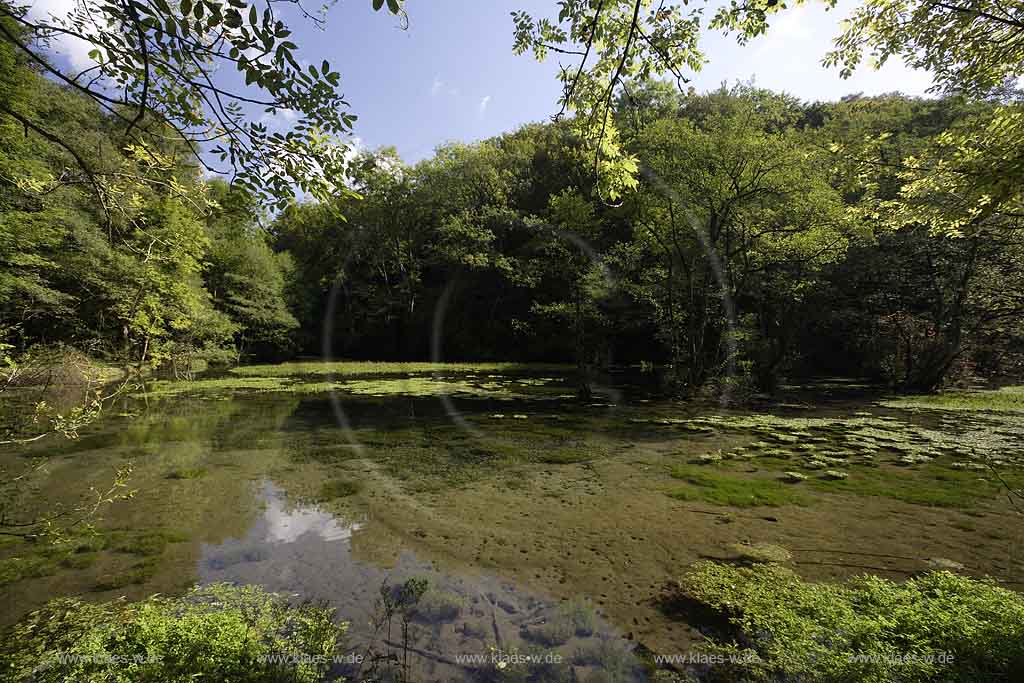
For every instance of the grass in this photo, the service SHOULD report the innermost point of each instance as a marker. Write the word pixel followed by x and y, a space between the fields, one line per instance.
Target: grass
pixel 356 368
pixel 1007 399
pixel 721 488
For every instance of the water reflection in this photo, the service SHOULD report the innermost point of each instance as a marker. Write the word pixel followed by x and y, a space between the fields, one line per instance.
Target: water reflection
pixel 286 526
pixel 306 551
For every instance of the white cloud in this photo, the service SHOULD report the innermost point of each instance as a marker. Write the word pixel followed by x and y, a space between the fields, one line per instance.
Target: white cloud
pixel 788 58
pixel 283 119
pixel 435 88
pixel 75 50
pixel 483 104
pixel 355 148
pixel 287 526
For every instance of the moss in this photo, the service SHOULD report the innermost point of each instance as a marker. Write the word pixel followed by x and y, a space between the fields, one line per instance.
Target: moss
pixel 722 488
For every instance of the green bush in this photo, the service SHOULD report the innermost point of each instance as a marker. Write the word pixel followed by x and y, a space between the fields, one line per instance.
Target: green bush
pixel 214 633
pixel 936 627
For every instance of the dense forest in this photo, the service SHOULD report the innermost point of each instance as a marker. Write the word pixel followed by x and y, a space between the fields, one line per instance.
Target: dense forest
pixel 768 237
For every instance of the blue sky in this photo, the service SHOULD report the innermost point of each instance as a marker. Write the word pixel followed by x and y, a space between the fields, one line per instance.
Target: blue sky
pixel 451 74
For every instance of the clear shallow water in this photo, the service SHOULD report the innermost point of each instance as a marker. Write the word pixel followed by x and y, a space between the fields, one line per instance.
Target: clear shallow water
pixel 235 478
pixel 545 530
pixel 308 552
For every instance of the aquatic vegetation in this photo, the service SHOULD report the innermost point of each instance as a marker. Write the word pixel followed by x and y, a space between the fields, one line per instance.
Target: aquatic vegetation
pixel 14 569
pixel 1007 399
pixel 339 488
pixel 151 542
pixel 356 368
pixel 566 455
pixel 937 627
pixel 581 614
pixel 436 605
pixel 217 633
pixel 186 473
pixel 761 552
pixel 426 386
pixel 228 385
pixel 865 447
pixel 138 573
pixel 722 488
pixel 555 631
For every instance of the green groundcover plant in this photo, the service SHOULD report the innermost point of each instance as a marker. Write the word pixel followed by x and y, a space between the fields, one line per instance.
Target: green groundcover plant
pixel 938 626
pixel 213 633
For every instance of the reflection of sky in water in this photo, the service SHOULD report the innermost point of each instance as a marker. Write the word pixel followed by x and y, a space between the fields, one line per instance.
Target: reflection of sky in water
pixel 286 526
pixel 306 551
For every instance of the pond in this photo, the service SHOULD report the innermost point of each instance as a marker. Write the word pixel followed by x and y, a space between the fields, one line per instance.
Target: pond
pixel 543 526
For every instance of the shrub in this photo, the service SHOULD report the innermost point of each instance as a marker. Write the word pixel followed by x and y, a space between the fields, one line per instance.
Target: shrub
pixel 936 627
pixel 214 633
